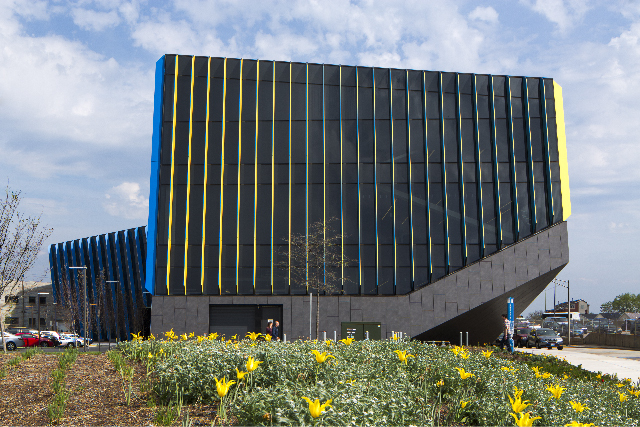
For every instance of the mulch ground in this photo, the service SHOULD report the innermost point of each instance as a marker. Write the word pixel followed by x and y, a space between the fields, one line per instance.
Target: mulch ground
pixel 96 395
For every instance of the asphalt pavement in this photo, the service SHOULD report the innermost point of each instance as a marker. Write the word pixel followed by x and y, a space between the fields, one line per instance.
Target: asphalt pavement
pixel 625 363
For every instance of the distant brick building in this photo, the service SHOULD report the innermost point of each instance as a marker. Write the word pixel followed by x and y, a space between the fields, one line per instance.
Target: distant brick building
pixel 579 306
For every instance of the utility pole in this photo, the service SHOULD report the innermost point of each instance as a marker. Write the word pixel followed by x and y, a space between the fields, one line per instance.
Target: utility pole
pixel 24 311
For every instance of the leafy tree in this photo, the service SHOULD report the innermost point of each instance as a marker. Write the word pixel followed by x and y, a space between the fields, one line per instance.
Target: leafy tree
pixel 21 238
pixel 316 261
pixel 624 303
pixel 535 316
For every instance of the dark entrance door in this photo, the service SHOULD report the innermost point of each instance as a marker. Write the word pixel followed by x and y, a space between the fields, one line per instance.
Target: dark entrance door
pixel 238 319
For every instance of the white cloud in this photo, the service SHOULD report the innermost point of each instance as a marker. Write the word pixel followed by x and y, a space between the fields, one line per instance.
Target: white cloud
pixel 93 20
pixel 564 13
pixel 126 200
pixel 487 14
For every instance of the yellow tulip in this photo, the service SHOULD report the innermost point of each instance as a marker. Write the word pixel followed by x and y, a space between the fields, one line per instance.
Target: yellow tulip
pixel 578 424
pixel 201 338
pixel 556 391
pixel 184 337
pixel 150 356
pixel 440 383
pixel 623 397
pixel 267 337
pixel 546 375
pixel 321 357
pixel 456 349
pixel 464 354
pixel 577 406
pixel 253 336
pixel 347 341
pixel 252 365
pixel 517 404
pixel 636 393
pixel 487 353
pixel 620 385
pixel 161 351
pixel 402 355
pixel 152 337
pixel 524 420
pixel 464 375
pixel 191 334
pixel 598 376
pixel 169 334
pixel 464 403
pixel 240 374
pixel 235 337
pixel 315 408
pixel 328 343
pixel 213 336
pixel 222 386
pixel 566 377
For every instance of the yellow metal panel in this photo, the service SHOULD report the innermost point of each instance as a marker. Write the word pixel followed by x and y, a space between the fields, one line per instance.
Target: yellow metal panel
pixel 173 151
pixel 224 119
pixel 206 157
pixel 562 152
pixel 186 227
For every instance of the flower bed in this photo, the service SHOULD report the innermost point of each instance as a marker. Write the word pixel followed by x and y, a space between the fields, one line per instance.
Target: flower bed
pixel 377 382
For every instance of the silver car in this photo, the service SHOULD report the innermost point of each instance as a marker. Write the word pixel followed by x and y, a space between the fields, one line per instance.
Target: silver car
pixel 13 341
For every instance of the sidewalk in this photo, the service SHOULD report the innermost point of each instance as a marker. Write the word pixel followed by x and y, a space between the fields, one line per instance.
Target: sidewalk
pixel 613 361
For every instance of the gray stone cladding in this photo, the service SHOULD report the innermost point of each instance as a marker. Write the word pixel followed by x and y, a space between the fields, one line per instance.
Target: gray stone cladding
pixel 469 300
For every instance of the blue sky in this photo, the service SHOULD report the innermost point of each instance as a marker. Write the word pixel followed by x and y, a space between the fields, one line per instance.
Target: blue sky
pixel 77 81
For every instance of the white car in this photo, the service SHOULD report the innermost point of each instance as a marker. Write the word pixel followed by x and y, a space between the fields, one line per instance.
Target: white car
pixel 12 341
pixel 71 340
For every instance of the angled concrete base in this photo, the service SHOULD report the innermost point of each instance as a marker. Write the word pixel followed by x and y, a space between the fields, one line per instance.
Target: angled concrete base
pixel 470 299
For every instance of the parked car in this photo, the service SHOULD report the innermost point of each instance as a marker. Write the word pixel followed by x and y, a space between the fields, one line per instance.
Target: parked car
pixel 21 330
pixel 12 341
pixel 70 341
pixel 32 340
pixel 544 337
pixel 521 336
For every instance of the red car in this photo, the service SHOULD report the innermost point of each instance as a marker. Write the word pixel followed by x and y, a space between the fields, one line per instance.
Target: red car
pixel 31 340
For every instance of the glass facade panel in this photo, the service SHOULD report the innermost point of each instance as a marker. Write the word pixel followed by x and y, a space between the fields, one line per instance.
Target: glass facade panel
pixel 419 174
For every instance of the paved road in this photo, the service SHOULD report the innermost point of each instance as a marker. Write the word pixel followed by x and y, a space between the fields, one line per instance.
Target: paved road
pixel 613 361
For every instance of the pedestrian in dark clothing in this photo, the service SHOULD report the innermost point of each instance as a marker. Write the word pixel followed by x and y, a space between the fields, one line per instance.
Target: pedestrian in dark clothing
pixel 275 331
pixel 269 330
pixel 507 337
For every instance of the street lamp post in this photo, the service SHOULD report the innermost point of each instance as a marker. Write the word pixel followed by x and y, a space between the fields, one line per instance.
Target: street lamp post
pixel 561 283
pixel 85 303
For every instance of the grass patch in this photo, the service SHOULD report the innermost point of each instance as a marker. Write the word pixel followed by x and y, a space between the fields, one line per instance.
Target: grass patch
pixel 56 407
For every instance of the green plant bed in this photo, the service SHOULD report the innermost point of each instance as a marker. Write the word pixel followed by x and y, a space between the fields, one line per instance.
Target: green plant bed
pixel 367 382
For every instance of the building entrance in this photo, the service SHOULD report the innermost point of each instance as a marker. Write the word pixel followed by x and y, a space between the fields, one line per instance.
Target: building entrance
pixel 238 319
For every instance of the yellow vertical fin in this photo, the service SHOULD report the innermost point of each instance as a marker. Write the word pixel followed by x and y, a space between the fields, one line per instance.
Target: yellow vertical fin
pixel 562 152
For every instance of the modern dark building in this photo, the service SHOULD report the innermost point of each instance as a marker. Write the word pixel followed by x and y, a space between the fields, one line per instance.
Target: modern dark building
pixel 448 192
pixel 117 303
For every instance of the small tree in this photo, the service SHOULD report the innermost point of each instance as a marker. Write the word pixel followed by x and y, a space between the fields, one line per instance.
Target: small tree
pixel 317 261
pixel 535 316
pixel 21 238
pixel 623 303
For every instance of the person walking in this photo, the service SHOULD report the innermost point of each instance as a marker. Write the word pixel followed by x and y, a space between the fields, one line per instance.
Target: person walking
pixel 275 331
pixel 269 330
pixel 508 334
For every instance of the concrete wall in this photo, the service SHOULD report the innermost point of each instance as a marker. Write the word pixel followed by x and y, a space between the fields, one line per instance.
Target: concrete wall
pixel 540 257
pixel 613 340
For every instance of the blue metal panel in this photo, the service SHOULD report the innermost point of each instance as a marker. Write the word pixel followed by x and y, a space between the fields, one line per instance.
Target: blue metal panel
pixel 154 180
pixel 545 144
pixel 463 212
pixel 375 176
pixel 123 282
pixel 393 185
pixel 494 159
pixel 426 173
pixel 476 140
pixel 410 178
pixel 359 215
pixel 527 121
pixel 132 280
pixel 54 281
pixel 512 163
pixel 444 175
pixel 109 245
